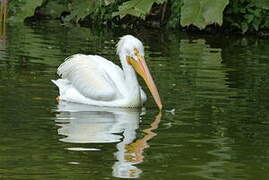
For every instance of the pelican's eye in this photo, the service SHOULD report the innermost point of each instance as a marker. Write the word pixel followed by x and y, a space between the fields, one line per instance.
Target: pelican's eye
pixel 136 52
pixel 134 57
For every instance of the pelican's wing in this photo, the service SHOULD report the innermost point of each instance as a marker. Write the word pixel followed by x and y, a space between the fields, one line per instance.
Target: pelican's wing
pixel 88 74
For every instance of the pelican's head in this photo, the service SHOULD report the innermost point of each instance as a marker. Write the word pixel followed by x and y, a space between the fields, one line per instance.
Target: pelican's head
pixel 131 50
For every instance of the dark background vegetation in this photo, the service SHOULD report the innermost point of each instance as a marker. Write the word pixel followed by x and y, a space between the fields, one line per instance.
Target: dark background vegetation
pixel 232 16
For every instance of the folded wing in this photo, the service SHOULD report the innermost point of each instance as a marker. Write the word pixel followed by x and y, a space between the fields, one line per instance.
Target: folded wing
pixel 88 74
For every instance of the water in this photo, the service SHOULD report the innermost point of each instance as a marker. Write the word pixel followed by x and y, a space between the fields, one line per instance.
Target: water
pixel 215 124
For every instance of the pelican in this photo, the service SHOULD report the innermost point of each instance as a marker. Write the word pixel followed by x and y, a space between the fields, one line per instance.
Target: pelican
pixel 94 80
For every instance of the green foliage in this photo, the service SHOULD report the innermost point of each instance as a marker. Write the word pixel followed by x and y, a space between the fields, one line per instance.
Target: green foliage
pixel 55 8
pixel 98 10
pixel 78 9
pixel 136 8
pixel 21 9
pixel 81 8
pixel 103 12
pixel 247 15
pixel 235 15
pixel 264 4
pixel 174 19
pixel 202 12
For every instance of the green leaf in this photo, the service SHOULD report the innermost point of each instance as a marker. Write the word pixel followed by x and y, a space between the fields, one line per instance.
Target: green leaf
pixel 213 10
pixel 22 9
pixel 256 24
pixel 202 12
pixel 136 8
pixel 81 8
pixel 264 4
pixel 55 8
pixel 108 2
pixel 249 18
pixel 244 27
pixel 191 13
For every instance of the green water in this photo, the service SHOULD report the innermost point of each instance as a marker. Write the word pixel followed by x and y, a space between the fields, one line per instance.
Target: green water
pixel 215 124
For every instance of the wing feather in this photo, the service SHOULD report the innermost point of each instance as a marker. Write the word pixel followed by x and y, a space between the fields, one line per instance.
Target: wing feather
pixel 89 77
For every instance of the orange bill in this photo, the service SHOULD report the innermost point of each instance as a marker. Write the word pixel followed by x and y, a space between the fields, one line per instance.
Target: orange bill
pixel 141 68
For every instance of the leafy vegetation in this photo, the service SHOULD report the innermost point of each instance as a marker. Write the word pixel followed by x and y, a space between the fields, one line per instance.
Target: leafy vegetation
pixel 202 12
pixel 247 15
pixel 21 9
pixel 174 19
pixel 136 8
pixel 240 15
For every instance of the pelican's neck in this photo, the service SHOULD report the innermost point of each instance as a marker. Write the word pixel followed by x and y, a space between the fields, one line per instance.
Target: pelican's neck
pixel 130 77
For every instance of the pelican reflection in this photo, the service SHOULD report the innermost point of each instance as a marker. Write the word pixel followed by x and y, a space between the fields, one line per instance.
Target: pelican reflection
pixel 81 123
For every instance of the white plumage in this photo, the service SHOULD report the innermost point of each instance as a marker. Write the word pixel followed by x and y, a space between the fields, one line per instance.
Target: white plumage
pixel 91 79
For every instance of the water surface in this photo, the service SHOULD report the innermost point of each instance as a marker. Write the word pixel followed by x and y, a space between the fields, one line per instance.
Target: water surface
pixel 215 124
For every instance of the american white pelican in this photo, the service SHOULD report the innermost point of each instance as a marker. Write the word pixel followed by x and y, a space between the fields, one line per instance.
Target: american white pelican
pixel 91 79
